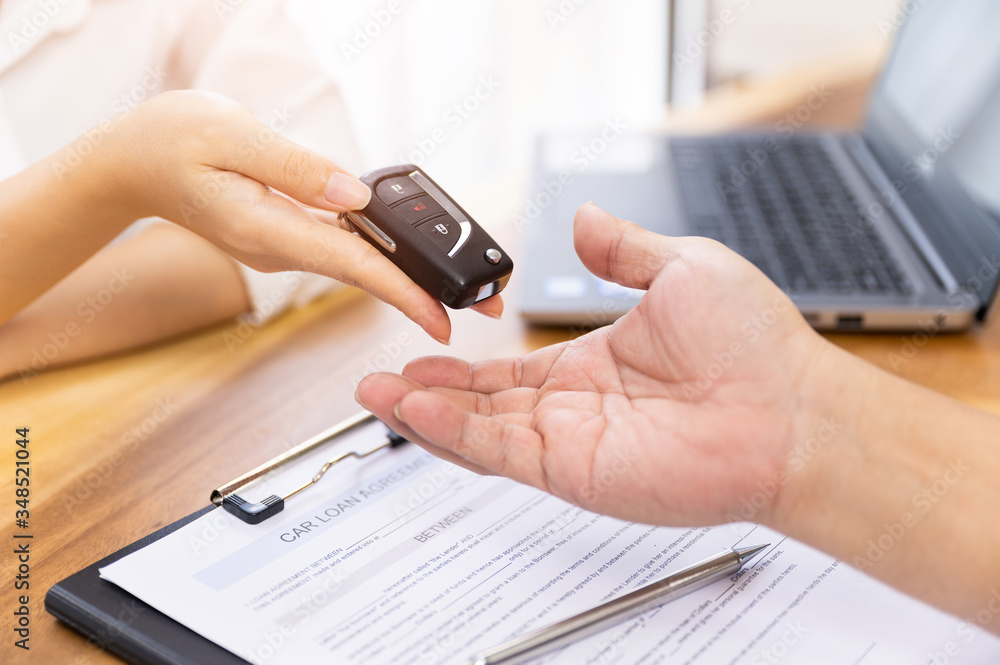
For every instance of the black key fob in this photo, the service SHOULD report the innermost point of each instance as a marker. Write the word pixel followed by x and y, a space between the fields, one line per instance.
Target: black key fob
pixel 421 229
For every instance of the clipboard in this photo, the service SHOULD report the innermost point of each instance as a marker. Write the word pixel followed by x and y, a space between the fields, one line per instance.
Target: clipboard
pixel 118 622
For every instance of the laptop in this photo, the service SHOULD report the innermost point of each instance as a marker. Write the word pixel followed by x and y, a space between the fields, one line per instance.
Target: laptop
pixel 896 227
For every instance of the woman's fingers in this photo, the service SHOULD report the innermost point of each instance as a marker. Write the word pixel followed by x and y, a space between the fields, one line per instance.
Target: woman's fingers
pixel 346 257
pixel 284 235
pixel 491 307
pixel 199 131
pixel 304 175
pixel 268 202
pixel 271 159
pixel 316 183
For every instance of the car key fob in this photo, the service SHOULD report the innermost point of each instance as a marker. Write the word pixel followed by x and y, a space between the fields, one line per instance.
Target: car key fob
pixel 421 229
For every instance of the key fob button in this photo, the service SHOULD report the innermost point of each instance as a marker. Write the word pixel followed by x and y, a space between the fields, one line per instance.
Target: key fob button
pixel 425 232
pixel 418 209
pixel 393 190
pixel 442 231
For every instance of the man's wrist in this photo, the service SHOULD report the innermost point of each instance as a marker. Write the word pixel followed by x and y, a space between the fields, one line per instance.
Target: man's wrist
pixel 833 425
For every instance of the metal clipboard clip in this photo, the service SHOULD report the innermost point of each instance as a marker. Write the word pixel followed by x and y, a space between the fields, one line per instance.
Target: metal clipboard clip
pixel 255 513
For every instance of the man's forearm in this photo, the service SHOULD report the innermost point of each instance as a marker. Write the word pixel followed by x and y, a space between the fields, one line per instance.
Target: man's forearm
pixel 905 488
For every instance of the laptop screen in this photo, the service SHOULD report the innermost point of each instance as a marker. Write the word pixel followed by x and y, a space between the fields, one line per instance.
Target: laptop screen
pixel 935 126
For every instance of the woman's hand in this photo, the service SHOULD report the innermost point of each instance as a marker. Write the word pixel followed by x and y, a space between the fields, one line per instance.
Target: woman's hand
pixel 204 162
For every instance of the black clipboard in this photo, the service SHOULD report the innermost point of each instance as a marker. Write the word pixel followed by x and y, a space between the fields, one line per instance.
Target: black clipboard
pixel 117 621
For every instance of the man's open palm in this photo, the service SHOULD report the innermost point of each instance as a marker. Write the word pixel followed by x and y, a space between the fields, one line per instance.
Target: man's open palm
pixel 675 414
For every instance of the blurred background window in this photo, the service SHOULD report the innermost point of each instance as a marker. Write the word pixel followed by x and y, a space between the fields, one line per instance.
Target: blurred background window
pixel 767 37
pixel 462 88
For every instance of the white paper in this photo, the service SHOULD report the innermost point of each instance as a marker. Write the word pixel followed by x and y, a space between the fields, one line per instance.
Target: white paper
pixel 406 559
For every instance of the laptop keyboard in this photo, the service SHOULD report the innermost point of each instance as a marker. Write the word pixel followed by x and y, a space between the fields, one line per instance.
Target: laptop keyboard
pixel 792 216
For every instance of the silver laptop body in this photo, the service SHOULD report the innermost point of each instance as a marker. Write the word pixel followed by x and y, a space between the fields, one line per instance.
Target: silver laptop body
pixel 893 228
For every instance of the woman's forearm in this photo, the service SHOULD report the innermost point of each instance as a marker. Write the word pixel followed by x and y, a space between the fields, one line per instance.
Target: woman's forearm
pixel 902 483
pixel 164 282
pixel 53 217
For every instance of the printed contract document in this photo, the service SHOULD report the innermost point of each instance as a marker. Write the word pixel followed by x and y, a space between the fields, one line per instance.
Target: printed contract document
pixel 405 559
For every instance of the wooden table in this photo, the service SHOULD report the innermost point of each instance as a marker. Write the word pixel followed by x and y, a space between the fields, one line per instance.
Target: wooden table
pixel 124 446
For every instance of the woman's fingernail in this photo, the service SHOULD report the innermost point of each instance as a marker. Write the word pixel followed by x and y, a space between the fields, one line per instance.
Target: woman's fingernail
pixel 493 315
pixel 347 191
pixel 442 340
pixel 395 413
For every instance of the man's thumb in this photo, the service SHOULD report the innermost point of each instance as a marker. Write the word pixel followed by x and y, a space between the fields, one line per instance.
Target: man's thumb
pixel 617 250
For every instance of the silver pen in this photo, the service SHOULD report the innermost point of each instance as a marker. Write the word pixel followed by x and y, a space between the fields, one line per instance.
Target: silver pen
pixel 618 610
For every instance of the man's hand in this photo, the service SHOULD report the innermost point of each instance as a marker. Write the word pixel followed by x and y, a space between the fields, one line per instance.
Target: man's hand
pixel 675 414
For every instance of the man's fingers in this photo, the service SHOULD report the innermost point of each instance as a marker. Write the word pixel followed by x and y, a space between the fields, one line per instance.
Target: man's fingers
pixel 619 251
pixel 494 444
pixel 512 404
pixel 380 393
pixel 488 376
